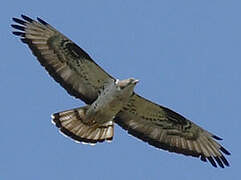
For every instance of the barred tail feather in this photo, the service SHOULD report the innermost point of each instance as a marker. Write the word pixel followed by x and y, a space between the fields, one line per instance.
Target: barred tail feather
pixel 71 123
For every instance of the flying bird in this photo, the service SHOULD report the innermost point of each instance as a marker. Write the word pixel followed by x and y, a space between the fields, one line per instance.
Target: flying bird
pixel 109 100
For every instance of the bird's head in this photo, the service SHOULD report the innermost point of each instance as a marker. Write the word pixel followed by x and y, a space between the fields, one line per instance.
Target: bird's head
pixel 126 83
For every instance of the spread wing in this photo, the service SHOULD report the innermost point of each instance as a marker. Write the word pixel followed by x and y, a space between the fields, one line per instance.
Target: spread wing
pixel 66 62
pixel 165 129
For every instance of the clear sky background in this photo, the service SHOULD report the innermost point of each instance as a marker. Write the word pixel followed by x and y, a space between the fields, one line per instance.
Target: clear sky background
pixel 187 55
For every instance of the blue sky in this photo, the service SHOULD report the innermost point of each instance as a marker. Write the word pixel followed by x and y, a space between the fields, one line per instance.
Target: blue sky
pixel 186 55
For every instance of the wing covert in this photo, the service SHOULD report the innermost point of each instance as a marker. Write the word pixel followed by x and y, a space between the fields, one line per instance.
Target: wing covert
pixel 66 62
pixel 168 130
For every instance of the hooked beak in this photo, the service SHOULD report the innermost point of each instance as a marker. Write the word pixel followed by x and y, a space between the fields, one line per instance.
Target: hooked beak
pixel 135 81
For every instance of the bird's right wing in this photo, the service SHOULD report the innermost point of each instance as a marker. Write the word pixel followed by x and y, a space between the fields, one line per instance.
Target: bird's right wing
pixel 66 62
pixel 168 130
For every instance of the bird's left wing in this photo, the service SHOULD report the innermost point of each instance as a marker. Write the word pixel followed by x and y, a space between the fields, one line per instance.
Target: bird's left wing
pixel 66 62
pixel 166 129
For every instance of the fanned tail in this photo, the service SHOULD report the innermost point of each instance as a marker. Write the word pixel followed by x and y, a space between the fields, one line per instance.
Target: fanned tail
pixel 71 123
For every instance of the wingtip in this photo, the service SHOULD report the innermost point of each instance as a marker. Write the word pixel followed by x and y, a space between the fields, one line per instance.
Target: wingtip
pixel 210 159
pixel 15 26
pixel 15 19
pixel 224 160
pixel 225 151
pixel 42 21
pixel 219 162
pixel 18 21
pixel 216 137
pixel 17 33
pixel 26 18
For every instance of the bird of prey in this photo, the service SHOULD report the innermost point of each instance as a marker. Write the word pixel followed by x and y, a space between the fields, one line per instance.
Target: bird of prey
pixel 109 100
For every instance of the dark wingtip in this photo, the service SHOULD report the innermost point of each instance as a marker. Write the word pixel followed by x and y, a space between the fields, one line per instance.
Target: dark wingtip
pixel 210 159
pixel 18 27
pixel 26 18
pixel 17 33
pixel 19 21
pixel 217 138
pixel 42 21
pixel 224 160
pixel 225 151
pixel 219 162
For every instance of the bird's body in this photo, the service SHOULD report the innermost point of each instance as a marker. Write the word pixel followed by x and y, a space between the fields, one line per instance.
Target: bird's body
pixel 109 101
